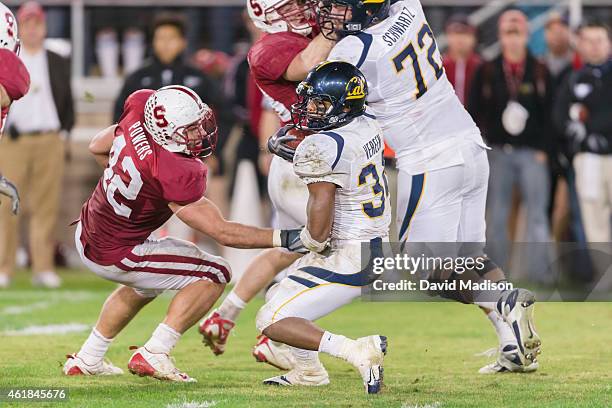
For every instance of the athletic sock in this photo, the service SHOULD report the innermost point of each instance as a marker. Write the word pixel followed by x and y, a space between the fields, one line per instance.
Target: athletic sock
pixel 163 340
pixel 94 348
pixel 231 307
pixel 503 330
pixel 336 345
pixel 305 359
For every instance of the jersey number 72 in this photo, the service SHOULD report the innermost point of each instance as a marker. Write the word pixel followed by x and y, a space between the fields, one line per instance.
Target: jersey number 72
pixel 411 51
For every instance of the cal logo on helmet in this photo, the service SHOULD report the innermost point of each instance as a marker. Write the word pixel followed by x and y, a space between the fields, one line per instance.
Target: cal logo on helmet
pixel 355 88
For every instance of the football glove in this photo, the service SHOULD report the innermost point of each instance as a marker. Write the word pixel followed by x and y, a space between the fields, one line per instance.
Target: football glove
pixel 277 143
pixel 291 240
pixel 8 189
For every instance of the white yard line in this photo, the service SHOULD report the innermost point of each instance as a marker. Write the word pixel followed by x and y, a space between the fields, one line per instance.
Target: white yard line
pixel 49 329
pixel 192 404
pixel 48 299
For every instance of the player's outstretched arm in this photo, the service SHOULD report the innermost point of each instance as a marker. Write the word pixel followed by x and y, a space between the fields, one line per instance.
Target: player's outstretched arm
pixel 101 144
pixel 204 216
pixel 317 51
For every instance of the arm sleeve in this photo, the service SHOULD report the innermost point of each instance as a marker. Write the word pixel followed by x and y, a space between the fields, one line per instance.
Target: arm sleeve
pixel 319 159
pixel 271 56
pixel 14 76
pixel 184 187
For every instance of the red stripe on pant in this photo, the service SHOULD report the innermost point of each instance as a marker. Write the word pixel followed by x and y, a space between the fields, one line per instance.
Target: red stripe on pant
pixel 180 259
pixel 183 272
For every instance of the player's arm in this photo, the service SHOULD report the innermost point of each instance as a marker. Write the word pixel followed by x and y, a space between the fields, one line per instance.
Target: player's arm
pixel 101 144
pixel 5 100
pixel 320 210
pixel 204 216
pixel 317 51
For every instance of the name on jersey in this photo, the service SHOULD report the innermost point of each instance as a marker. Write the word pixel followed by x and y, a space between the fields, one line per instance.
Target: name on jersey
pixel 372 147
pixel 399 28
pixel 139 140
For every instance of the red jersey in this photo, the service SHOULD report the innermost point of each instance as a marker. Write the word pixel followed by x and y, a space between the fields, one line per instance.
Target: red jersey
pixel 142 178
pixel 269 58
pixel 14 78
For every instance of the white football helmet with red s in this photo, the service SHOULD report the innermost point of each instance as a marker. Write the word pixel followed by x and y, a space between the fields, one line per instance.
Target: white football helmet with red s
pixel 9 38
pixel 277 16
pixel 180 122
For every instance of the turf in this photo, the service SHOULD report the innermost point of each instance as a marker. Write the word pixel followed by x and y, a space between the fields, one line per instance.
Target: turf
pixel 430 363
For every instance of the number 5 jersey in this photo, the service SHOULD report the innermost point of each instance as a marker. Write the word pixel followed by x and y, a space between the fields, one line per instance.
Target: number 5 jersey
pixel 142 178
pixel 420 114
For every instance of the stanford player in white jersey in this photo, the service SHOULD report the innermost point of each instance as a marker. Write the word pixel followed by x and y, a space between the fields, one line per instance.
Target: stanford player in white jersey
pixel 153 170
pixel 279 60
pixel 14 84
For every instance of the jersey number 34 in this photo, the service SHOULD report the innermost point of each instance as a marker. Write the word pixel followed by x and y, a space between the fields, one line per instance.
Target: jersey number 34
pixel 411 51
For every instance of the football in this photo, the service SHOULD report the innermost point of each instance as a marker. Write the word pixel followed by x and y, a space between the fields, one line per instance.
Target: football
pixel 299 134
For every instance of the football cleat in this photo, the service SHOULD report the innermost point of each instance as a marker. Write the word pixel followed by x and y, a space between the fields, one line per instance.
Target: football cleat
pixel 215 331
pixel 310 377
pixel 517 309
pixel 157 365
pixel 75 365
pixel 276 354
pixel 367 356
pixel 508 361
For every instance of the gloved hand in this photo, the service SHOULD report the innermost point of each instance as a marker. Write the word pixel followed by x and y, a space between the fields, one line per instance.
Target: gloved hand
pixel 277 143
pixel 8 189
pixel 291 240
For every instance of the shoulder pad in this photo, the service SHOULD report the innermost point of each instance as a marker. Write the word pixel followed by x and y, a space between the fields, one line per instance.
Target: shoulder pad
pixel 318 154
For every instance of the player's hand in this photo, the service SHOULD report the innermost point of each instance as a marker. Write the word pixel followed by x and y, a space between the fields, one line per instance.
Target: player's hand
pixel 291 240
pixel 8 189
pixel 277 143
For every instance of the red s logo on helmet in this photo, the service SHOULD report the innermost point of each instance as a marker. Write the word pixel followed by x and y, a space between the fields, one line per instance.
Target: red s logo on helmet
pixel 11 22
pixel 159 113
pixel 257 10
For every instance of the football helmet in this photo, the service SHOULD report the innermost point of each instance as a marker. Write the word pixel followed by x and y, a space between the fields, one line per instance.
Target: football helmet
pixel 180 122
pixel 332 95
pixel 339 18
pixel 276 16
pixel 8 30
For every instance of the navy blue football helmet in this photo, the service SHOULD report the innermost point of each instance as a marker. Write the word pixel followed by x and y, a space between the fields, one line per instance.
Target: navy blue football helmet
pixel 339 18
pixel 332 95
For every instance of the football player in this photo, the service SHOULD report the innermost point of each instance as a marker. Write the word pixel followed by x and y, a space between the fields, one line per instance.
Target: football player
pixel 14 84
pixel 442 160
pixel 342 165
pixel 278 61
pixel 153 169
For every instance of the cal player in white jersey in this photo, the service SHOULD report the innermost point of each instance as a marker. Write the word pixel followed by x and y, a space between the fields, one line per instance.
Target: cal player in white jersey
pixel 342 164
pixel 441 157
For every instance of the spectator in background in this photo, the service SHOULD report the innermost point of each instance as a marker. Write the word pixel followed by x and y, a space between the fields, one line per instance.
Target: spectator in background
pixel 560 56
pixel 461 60
pixel 33 154
pixel 510 100
pixel 167 66
pixel 584 113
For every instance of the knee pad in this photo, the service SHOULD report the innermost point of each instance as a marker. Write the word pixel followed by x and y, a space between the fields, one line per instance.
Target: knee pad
pixel 264 317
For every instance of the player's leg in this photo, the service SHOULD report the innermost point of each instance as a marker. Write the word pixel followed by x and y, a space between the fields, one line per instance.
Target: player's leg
pixel 118 310
pixel 304 297
pixel 472 229
pixel 199 279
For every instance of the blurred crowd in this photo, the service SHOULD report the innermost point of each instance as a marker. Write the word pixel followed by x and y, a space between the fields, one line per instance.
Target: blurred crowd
pixel 547 119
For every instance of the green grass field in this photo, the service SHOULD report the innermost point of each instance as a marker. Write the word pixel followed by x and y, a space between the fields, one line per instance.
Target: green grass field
pixel 430 363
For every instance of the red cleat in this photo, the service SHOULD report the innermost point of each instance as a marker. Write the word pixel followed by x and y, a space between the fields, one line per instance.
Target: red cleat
pixel 215 331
